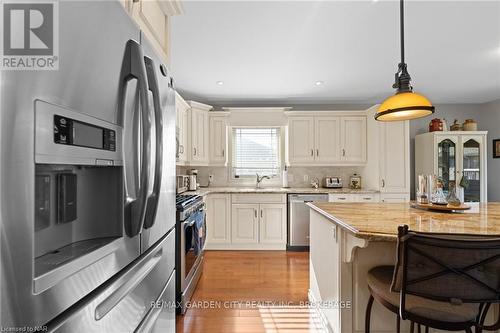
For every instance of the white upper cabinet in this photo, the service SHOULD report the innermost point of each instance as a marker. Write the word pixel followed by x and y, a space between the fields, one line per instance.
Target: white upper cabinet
pixel 199 129
pixel 182 128
pixel 326 138
pixel 218 138
pixel 353 139
pixel 153 18
pixel 301 140
pixel 394 157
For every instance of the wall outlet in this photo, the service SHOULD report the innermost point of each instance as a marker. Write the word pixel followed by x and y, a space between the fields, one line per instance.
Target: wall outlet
pixel 306 178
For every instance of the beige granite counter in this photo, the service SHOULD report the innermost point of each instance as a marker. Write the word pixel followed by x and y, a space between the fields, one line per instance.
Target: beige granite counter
pixel 380 221
pixel 308 190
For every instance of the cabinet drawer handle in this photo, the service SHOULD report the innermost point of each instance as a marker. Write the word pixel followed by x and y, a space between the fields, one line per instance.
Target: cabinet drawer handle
pixel 343 152
pixel 261 213
pixel 223 153
pixel 317 152
pixel 367 198
pixel 194 149
pixel 383 183
pixel 312 152
pixel 342 198
pixel 255 212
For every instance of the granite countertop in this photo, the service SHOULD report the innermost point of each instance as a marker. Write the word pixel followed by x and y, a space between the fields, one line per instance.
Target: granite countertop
pixel 308 190
pixel 380 221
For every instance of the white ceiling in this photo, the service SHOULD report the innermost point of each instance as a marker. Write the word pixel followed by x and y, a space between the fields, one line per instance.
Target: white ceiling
pixel 274 51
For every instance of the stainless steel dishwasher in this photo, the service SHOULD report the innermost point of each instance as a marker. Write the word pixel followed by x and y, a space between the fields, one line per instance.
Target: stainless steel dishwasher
pixel 298 219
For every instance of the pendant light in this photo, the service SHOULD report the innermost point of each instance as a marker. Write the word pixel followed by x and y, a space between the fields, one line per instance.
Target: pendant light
pixel 405 104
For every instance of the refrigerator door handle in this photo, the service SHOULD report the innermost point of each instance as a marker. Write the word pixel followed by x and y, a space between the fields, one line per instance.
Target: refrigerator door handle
pixel 152 203
pixel 133 68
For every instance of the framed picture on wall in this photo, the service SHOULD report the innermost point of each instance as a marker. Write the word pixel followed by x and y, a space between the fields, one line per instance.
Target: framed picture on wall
pixel 496 148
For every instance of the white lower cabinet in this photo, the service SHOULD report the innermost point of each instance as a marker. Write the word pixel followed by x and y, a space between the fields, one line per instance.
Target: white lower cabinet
pixel 245 223
pixel 272 224
pixel 394 197
pixel 218 219
pixel 349 197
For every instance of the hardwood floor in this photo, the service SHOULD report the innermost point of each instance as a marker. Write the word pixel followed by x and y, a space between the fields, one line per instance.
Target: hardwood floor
pixel 251 291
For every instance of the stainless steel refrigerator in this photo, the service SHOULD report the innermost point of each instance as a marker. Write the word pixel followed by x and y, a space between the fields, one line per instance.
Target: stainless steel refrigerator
pixel 88 182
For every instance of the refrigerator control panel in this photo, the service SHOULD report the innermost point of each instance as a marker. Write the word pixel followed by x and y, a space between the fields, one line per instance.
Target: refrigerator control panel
pixel 72 132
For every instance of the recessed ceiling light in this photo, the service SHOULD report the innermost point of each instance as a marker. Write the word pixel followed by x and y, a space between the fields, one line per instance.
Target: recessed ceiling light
pixel 220 83
pixel 319 83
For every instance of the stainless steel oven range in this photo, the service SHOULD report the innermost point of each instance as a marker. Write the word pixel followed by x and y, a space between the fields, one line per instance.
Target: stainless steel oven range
pixel 190 242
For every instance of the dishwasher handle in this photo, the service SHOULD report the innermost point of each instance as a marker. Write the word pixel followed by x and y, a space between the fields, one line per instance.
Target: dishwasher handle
pixel 293 198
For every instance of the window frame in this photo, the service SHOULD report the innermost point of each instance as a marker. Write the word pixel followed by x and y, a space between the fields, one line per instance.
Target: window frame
pixel 249 178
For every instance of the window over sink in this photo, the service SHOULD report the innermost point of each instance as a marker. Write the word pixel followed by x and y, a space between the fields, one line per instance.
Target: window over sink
pixel 256 150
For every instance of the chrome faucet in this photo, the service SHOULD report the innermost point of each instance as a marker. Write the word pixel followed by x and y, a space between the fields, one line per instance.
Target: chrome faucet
pixel 260 179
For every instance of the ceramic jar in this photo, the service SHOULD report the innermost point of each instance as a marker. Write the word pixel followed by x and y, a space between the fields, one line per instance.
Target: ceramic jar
pixel 470 125
pixel 435 125
pixel 456 126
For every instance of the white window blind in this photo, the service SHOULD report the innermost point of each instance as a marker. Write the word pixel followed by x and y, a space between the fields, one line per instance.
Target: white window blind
pixel 256 150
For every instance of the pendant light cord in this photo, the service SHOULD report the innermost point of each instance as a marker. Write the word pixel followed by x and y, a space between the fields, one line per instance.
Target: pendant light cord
pixel 402 77
pixel 402 32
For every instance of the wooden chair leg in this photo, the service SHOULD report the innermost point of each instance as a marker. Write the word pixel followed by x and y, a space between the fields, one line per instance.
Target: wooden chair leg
pixel 468 330
pixel 412 327
pixel 419 331
pixel 368 314
pixel 398 324
pixel 426 329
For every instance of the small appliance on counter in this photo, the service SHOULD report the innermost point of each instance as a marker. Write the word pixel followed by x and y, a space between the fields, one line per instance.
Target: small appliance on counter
pixel 182 183
pixel 193 179
pixel 332 182
pixel 355 182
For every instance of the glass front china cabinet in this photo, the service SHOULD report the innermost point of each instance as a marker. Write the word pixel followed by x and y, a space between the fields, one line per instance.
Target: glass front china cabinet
pixel 458 157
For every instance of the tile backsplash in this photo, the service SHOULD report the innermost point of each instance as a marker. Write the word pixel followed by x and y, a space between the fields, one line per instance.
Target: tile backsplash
pixel 221 176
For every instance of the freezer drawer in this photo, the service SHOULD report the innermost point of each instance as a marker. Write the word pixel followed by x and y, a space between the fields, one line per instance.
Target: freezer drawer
pixel 127 301
pixel 161 316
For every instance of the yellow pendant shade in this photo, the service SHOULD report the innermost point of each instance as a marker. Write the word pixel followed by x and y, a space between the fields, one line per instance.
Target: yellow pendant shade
pixel 404 106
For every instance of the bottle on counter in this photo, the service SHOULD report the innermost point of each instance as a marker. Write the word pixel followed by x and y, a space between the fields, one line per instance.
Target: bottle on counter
pixel 285 177
pixel 452 198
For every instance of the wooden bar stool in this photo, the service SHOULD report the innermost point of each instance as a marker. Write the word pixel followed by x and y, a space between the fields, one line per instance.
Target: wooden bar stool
pixel 441 281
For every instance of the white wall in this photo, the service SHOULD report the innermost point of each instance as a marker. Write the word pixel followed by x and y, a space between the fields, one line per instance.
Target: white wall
pixel 489 120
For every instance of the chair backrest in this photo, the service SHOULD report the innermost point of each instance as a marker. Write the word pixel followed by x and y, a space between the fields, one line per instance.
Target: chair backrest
pixel 447 267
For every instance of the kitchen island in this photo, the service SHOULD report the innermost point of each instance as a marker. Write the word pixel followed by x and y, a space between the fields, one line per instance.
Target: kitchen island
pixel 348 239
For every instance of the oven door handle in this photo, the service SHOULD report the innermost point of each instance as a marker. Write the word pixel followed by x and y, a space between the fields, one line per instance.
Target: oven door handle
pixel 188 223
